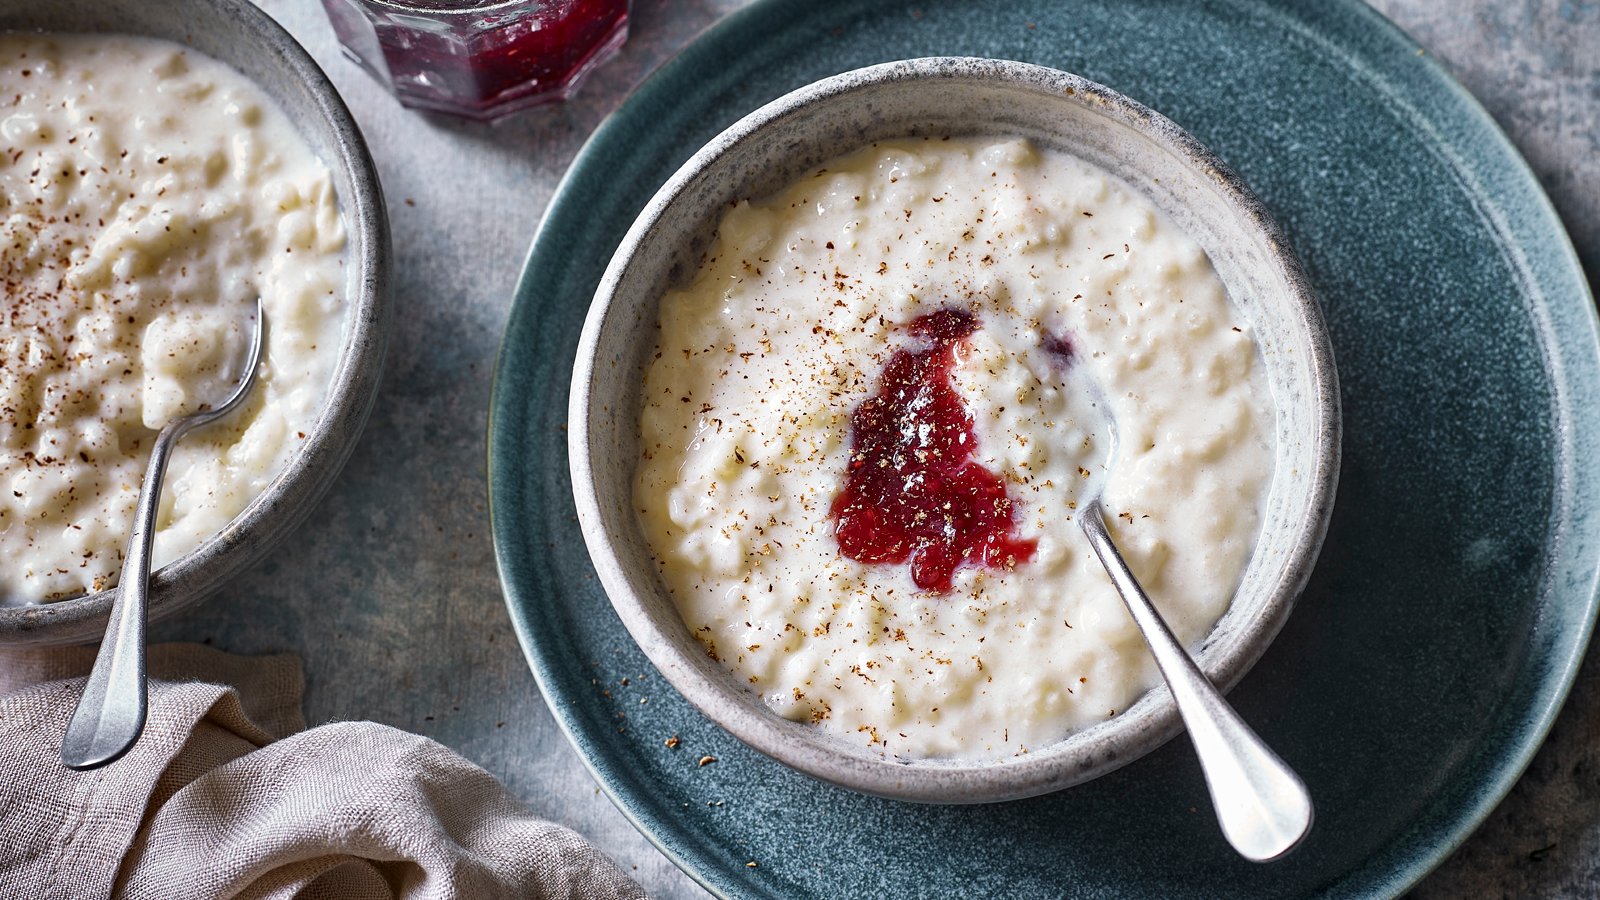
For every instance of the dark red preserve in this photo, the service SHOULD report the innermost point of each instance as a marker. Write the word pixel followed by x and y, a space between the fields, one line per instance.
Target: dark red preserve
pixel 913 492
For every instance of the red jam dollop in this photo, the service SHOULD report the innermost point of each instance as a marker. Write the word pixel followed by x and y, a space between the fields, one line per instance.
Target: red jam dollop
pixel 913 492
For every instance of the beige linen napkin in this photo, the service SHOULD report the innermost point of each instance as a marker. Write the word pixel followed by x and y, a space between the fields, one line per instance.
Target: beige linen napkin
pixel 226 796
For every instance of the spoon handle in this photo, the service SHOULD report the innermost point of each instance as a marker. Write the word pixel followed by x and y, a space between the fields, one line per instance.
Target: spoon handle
pixel 1262 805
pixel 111 712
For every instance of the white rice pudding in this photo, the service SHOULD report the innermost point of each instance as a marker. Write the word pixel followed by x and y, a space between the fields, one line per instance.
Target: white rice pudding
pixel 148 195
pixel 1007 290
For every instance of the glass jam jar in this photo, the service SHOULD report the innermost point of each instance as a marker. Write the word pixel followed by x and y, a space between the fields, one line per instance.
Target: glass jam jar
pixel 481 59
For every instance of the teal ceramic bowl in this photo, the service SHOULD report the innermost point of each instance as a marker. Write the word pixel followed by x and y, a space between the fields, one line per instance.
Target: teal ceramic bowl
pixel 936 97
pixel 1456 589
pixel 241 35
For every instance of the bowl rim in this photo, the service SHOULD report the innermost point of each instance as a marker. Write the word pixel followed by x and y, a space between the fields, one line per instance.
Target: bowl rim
pixel 1150 721
pixel 293 493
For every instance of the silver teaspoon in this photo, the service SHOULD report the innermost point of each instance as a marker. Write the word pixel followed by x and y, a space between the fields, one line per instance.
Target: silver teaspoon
pixel 1262 805
pixel 111 713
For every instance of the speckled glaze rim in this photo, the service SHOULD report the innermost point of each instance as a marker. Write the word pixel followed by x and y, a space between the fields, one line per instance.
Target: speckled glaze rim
pixel 1087 754
pixel 241 35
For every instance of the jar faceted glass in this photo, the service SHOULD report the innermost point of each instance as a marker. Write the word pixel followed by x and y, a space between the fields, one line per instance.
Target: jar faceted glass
pixel 481 59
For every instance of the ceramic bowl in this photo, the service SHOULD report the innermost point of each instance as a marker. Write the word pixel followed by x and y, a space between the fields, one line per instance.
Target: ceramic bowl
pixel 935 97
pixel 241 35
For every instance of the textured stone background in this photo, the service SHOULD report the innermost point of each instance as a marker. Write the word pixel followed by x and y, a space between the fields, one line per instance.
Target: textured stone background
pixel 424 643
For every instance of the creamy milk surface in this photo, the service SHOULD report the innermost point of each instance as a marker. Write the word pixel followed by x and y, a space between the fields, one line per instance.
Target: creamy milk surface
pixel 148 195
pixel 876 407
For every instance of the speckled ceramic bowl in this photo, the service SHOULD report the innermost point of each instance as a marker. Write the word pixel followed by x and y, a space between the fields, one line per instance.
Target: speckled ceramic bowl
pixel 241 35
pixel 953 96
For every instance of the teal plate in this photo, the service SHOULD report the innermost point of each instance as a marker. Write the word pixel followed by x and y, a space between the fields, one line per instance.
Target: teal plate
pixel 1457 589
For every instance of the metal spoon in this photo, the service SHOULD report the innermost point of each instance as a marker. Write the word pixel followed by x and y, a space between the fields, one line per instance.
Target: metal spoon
pixel 1261 804
pixel 111 713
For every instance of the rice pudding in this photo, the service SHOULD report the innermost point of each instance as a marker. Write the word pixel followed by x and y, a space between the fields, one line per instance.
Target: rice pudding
pixel 876 405
pixel 148 195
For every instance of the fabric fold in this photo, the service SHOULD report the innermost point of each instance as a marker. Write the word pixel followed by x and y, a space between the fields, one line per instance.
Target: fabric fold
pixel 225 796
